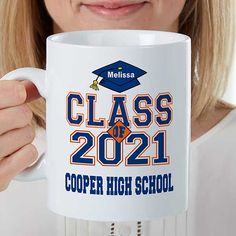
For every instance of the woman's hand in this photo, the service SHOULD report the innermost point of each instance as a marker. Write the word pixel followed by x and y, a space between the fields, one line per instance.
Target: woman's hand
pixel 16 133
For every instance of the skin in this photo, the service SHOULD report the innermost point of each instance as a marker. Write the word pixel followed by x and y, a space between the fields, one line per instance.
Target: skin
pixel 16 134
pixel 157 14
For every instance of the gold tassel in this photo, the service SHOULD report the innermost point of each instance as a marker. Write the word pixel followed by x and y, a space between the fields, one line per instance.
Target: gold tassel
pixel 94 85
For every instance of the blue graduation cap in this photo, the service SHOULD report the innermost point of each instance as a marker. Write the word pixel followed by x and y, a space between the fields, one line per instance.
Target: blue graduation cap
pixel 118 76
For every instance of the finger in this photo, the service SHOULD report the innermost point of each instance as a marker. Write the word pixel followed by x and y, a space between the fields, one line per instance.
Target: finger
pixel 31 90
pixel 15 139
pixel 12 93
pixel 14 164
pixel 15 117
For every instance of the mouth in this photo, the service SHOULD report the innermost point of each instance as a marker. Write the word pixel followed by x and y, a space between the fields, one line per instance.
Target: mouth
pixel 114 10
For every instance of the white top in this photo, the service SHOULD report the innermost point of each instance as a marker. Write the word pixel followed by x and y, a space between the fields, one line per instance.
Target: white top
pixel 212 198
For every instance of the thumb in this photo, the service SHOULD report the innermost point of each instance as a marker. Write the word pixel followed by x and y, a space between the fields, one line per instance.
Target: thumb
pixel 31 91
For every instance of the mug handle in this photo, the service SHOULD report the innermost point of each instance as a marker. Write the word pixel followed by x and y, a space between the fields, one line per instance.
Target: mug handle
pixel 36 76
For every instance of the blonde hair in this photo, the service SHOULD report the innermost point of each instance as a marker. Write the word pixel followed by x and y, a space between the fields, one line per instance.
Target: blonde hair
pixel 25 24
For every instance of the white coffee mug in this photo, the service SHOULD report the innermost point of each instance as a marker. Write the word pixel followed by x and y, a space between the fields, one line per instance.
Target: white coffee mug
pixel 117 123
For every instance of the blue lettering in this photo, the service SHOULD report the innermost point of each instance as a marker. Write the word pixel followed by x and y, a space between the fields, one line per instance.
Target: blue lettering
pixel 165 112
pixel 79 117
pixel 143 110
pixel 119 111
pixel 91 112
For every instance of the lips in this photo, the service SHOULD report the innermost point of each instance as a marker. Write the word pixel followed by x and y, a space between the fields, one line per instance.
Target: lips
pixel 114 9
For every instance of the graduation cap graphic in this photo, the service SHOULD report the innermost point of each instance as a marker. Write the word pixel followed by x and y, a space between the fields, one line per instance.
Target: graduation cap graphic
pixel 118 76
